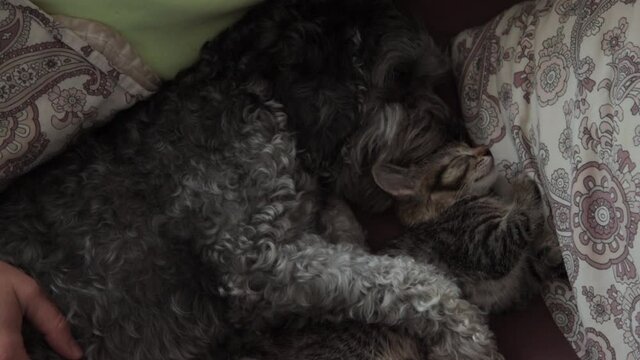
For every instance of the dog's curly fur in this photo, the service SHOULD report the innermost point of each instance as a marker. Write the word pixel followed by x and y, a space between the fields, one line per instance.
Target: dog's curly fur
pixel 197 211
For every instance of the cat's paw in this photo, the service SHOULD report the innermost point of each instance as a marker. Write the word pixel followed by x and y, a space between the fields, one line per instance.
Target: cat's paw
pixel 528 208
pixel 526 192
pixel 549 248
pixel 549 260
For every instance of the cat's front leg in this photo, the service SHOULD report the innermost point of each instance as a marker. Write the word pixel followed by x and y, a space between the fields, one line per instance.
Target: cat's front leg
pixel 481 235
pixel 514 242
pixel 526 210
pixel 545 250
pixel 519 224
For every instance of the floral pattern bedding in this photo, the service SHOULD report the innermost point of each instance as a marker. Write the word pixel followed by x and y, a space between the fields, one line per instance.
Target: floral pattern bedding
pixel 553 86
pixel 53 84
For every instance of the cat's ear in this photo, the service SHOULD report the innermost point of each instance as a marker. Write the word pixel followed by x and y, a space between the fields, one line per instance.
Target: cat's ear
pixel 395 180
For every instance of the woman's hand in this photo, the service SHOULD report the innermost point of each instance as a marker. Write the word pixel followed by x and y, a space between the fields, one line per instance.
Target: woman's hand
pixel 20 296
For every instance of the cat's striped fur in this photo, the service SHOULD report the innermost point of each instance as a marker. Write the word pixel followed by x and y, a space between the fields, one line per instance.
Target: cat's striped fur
pixel 491 246
pixel 495 248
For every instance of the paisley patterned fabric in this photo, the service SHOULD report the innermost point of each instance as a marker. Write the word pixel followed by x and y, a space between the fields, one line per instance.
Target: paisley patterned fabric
pixel 53 84
pixel 554 87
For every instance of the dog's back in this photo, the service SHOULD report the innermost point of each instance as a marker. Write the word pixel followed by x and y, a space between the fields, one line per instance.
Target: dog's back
pixel 99 229
pixel 109 228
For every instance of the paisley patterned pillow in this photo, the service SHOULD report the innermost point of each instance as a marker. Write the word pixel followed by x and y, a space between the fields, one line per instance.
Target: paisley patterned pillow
pixel 55 82
pixel 553 86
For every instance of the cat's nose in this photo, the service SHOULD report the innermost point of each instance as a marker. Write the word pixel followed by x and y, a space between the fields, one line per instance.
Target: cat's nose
pixel 481 151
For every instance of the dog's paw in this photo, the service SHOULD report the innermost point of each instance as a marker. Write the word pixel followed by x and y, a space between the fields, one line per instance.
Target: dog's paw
pixel 466 336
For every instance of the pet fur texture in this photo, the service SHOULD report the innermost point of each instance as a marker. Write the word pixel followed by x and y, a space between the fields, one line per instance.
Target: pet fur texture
pixel 495 249
pixel 198 211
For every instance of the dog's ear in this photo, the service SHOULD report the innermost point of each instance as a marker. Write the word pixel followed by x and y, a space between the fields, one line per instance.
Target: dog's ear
pixel 396 180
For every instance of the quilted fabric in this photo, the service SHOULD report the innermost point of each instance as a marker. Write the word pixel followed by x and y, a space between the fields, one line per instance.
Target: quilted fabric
pixel 53 84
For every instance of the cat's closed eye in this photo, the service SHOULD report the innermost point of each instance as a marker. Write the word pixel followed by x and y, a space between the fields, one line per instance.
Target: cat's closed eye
pixel 454 174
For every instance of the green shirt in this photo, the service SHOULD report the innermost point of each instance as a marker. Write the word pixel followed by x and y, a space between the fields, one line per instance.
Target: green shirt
pixel 167 34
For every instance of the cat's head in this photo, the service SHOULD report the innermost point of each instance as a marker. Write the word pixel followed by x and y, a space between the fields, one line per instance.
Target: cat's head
pixel 423 191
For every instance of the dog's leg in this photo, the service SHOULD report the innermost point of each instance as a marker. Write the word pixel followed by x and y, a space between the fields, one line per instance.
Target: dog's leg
pixel 331 341
pixel 269 264
pixel 339 282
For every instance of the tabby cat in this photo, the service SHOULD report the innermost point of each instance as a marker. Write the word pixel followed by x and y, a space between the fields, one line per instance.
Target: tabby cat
pixel 496 248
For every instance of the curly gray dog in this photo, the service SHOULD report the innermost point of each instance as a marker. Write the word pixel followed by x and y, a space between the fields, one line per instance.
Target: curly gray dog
pixel 198 211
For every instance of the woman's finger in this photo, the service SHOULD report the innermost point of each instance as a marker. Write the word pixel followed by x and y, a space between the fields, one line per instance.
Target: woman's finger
pixel 11 344
pixel 46 317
